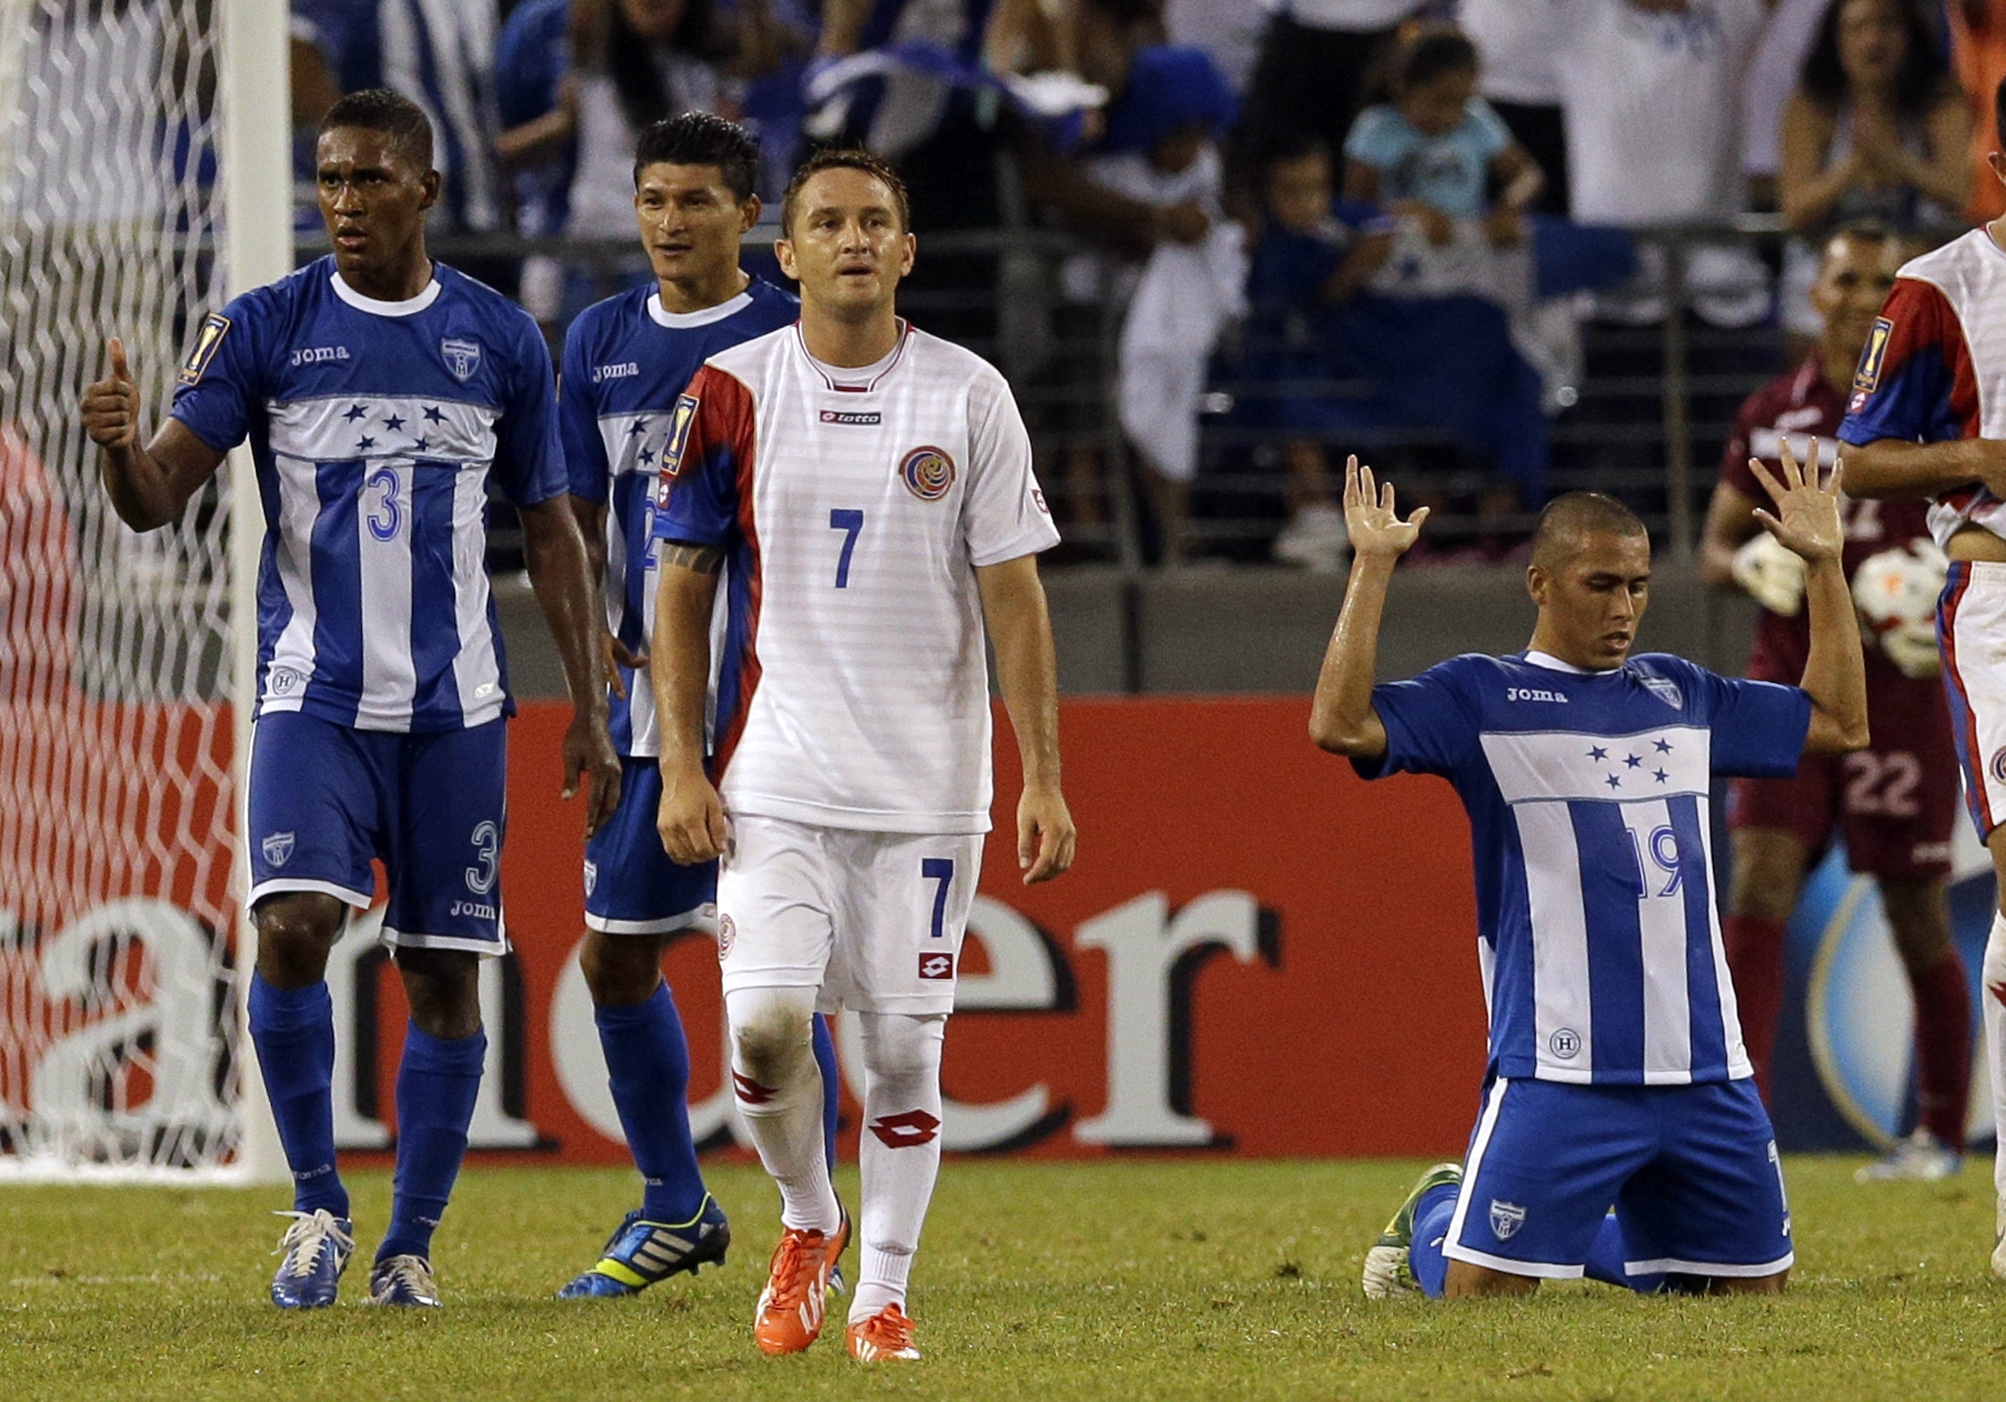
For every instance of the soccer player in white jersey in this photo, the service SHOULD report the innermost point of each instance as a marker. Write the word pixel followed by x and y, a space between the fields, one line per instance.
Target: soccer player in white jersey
pixel 1927 419
pixel 381 393
pixel 626 362
pixel 1617 1075
pixel 867 490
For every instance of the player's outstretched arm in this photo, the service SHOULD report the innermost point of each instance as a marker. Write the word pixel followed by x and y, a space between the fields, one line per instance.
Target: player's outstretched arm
pixel 1027 669
pixel 554 554
pixel 1897 470
pixel 1341 718
pixel 1807 521
pixel 149 486
pixel 690 820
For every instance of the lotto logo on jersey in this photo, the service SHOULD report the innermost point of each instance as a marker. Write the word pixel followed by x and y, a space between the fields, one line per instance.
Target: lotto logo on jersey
pixel 928 473
pixel 1869 374
pixel 679 433
pixel 207 340
pixel 936 966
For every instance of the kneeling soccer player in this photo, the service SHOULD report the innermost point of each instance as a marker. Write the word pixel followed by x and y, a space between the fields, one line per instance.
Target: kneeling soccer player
pixel 1617 1075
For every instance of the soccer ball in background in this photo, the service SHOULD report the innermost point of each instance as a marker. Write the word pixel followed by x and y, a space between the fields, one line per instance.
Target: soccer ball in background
pixel 1895 593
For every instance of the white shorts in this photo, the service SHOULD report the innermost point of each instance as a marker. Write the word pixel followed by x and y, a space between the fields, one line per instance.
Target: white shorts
pixel 872 919
pixel 1971 631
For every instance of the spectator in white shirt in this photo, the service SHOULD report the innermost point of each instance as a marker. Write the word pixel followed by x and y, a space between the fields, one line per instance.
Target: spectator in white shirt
pixel 1652 90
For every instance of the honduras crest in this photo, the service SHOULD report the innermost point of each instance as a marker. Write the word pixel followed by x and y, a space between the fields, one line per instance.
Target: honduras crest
pixel 463 357
pixel 1665 689
pixel 278 848
pixel 591 877
pixel 1506 1219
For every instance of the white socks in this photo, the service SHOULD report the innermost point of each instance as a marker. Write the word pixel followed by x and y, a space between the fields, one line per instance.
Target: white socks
pixel 1991 990
pixel 779 1092
pixel 900 1152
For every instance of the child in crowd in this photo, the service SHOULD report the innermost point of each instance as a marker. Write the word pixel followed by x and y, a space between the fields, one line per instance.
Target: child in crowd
pixel 1432 154
pixel 1327 358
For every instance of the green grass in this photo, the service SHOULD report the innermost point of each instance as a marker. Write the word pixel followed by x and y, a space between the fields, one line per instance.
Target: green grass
pixel 1131 1280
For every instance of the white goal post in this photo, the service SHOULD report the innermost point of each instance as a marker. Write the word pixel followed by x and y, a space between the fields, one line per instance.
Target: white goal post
pixel 145 177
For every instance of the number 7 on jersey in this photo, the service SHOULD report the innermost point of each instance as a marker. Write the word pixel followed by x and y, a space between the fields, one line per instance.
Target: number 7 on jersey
pixel 851 523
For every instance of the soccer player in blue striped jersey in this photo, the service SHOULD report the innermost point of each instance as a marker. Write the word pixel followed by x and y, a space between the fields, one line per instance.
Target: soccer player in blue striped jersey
pixel 627 361
pixel 382 393
pixel 1617 1077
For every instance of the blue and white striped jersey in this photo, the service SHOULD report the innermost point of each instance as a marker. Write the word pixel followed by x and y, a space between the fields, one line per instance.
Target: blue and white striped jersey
pixel 376 427
pixel 1587 797
pixel 626 360
pixel 441 55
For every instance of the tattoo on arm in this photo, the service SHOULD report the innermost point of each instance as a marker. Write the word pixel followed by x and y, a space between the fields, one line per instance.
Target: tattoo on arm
pixel 701 559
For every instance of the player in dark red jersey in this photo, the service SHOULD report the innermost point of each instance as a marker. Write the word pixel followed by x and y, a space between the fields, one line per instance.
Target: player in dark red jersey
pixel 1894 803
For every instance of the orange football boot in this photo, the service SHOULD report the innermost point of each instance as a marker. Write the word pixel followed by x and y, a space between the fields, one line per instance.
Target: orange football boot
pixel 886 1337
pixel 797 1282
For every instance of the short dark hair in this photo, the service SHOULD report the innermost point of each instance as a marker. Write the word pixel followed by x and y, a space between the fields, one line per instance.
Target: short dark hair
pixel 1999 113
pixel 1433 52
pixel 1572 515
pixel 1862 231
pixel 845 158
pixel 701 139
pixel 1292 144
pixel 392 113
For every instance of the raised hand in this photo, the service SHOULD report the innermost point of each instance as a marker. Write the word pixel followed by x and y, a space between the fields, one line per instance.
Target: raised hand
pixel 1806 519
pixel 111 406
pixel 1374 526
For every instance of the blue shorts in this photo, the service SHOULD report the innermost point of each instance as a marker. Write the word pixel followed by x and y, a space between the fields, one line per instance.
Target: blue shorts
pixel 631 886
pixel 1691 1170
pixel 325 799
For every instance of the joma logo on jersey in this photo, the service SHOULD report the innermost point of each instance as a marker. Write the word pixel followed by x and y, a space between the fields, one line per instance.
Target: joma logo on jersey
pixel 1868 376
pixel 602 373
pixel 318 355
pixel 927 473
pixel 1530 693
pixel 473 909
pixel 679 433
pixel 214 329
pixel 463 357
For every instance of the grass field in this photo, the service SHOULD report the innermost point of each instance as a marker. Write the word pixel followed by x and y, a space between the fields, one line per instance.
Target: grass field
pixel 1164 1279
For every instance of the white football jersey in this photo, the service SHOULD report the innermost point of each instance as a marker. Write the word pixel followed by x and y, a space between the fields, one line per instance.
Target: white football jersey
pixel 851 685
pixel 1653 100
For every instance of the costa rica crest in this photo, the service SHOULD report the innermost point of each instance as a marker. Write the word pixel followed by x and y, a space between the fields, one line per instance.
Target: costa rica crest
pixel 928 473
pixel 463 356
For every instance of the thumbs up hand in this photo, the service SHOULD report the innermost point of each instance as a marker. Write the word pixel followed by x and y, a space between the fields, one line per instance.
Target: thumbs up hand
pixel 111 406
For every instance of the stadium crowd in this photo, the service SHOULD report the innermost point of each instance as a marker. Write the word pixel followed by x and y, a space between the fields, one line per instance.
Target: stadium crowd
pixel 1301 223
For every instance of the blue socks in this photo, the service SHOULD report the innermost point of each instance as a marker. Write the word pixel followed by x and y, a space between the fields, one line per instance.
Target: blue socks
pixel 293 1030
pixel 436 1086
pixel 832 1087
pixel 648 1068
pixel 1431 1230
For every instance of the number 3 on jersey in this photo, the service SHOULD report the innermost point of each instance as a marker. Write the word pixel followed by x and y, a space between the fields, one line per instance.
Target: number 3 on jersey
pixel 851 523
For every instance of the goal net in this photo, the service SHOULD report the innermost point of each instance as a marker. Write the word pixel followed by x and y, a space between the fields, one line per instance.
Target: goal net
pixel 118 915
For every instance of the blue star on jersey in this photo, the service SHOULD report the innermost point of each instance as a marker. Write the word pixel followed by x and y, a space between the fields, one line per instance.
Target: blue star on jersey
pixel 625 362
pixel 1587 795
pixel 373 603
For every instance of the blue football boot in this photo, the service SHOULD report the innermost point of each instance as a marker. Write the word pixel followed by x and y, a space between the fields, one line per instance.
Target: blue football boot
pixel 641 1252
pixel 403 1280
pixel 316 1248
